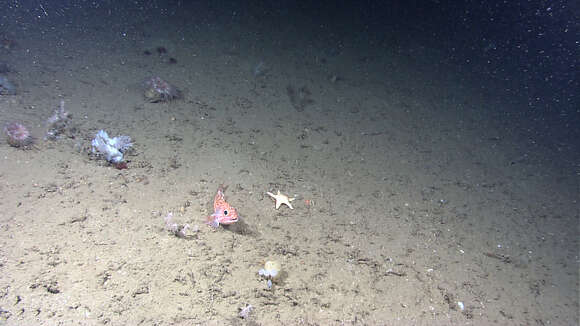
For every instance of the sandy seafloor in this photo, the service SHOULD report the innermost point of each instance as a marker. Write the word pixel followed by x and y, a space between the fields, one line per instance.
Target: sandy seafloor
pixel 423 192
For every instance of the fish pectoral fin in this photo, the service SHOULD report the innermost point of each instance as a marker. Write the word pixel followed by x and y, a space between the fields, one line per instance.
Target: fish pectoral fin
pixel 213 223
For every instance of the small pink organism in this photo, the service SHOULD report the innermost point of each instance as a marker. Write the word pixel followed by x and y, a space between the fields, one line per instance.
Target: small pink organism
pixel 158 90
pixel 178 230
pixel 57 123
pixel 18 135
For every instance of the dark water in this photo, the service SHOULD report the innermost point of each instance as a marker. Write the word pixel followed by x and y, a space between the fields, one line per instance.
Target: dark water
pixel 528 50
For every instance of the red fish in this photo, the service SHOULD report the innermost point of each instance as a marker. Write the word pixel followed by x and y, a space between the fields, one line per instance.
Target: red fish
pixel 223 213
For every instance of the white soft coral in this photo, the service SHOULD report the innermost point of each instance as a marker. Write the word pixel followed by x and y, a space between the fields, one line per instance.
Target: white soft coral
pixel 112 148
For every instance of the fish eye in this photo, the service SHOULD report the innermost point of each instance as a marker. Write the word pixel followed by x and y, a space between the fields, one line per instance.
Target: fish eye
pixel 226 212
